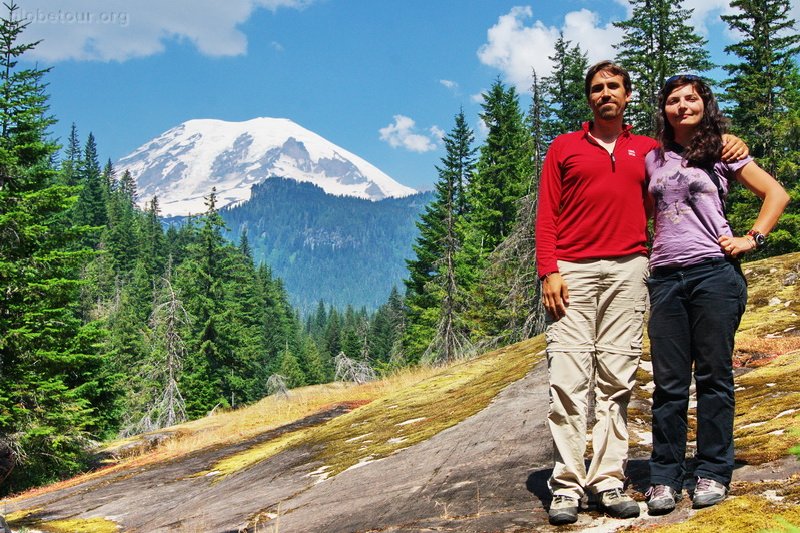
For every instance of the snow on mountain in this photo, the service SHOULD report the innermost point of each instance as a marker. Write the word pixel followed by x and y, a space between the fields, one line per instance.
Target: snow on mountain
pixel 183 164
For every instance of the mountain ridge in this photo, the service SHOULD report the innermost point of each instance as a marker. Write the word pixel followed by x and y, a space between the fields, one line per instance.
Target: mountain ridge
pixel 184 163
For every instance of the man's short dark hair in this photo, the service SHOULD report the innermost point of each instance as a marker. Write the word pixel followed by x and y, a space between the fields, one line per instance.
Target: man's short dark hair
pixel 611 67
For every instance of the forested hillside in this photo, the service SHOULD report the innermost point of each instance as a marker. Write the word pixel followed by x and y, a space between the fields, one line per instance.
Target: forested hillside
pixel 339 249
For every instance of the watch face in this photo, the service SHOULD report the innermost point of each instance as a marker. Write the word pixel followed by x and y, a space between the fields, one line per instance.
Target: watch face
pixel 760 239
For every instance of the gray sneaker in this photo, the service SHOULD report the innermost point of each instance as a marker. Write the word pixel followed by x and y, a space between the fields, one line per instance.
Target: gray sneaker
pixel 3 526
pixel 707 493
pixel 661 499
pixel 617 504
pixel 563 510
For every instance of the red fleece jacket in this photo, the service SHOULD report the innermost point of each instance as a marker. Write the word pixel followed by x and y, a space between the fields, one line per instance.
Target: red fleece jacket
pixel 591 203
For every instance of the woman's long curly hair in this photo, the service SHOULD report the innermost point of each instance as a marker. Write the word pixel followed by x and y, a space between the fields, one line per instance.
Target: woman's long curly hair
pixel 705 148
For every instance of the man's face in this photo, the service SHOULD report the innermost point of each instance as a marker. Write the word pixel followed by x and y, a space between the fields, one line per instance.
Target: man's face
pixel 607 96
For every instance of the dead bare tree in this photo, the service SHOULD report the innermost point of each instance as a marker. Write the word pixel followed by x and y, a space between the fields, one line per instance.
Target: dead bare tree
pixel 451 341
pixel 514 260
pixel 276 386
pixel 166 406
pixel 352 370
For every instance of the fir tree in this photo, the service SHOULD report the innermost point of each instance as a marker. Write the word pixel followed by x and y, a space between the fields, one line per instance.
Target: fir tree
pixel 764 92
pixel 439 238
pixel 56 388
pixel 289 368
pixel 73 159
pixel 311 363
pixel 504 175
pixel 658 43
pixel 503 170
pixel 91 209
pixel 565 89
pixel 127 186
pixel 203 275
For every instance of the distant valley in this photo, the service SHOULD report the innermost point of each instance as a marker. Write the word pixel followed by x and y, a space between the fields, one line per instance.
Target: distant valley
pixel 331 225
pixel 338 249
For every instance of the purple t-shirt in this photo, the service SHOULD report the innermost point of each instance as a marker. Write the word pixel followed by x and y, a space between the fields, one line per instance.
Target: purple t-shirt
pixel 688 212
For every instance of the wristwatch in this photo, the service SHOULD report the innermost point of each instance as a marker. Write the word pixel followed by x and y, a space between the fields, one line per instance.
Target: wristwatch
pixel 758 237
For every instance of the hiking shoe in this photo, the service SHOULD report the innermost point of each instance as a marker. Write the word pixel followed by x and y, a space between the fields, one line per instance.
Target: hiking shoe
pixel 617 504
pixel 707 493
pixel 661 499
pixel 563 510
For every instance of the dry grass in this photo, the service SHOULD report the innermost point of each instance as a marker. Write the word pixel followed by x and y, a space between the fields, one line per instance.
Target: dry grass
pixel 233 426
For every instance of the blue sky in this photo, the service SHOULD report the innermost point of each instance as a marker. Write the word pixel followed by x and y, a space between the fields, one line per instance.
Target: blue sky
pixel 381 78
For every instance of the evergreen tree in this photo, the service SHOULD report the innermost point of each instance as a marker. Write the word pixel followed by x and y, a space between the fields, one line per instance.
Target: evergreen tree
pixel 73 158
pixel 538 126
pixel 91 209
pixel 55 384
pixel 127 186
pixel 504 175
pixel 311 363
pixel 658 42
pixel 203 275
pixel 439 238
pixel 565 90
pixel 289 368
pixel 764 92
pixel 152 241
pixel 387 328
pixel 120 237
pixel 503 169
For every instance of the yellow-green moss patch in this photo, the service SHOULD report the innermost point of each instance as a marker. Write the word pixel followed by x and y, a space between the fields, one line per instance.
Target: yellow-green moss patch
pixel 27 519
pixel 767 421
pixel 20 515
pixel 772 306
pixel 403 418
pixel 744 514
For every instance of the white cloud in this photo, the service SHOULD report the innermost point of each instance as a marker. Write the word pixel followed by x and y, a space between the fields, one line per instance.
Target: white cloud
pixel 449 84
pixel 515 49
pixel 437 132
pixel 400 134
pixel 114 30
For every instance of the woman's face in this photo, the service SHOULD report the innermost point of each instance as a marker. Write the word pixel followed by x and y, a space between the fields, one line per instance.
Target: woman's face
pixel 684 108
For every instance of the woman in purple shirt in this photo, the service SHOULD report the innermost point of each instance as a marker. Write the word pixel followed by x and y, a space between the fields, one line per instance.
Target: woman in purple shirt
pixel 697 291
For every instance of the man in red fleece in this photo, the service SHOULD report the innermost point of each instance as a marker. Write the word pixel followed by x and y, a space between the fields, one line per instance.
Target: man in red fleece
pixel 591 234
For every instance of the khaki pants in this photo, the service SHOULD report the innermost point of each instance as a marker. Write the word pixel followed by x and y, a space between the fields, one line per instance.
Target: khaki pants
pixel 600 335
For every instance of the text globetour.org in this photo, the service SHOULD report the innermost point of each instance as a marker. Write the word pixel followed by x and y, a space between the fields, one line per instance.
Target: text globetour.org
pixel 41 16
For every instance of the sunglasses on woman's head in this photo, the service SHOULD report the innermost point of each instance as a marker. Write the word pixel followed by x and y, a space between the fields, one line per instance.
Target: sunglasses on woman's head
pixel 687 77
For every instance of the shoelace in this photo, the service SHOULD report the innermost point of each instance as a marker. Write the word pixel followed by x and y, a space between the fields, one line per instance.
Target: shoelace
pixel 705 484
pixel 658 491
pixel 560 498
pixel 613 494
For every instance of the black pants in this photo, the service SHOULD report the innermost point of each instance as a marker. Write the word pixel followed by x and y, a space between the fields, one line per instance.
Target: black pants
pixel 695 312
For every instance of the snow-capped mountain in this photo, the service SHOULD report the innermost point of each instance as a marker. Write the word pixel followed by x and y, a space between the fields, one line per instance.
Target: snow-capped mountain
pixel 183 164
